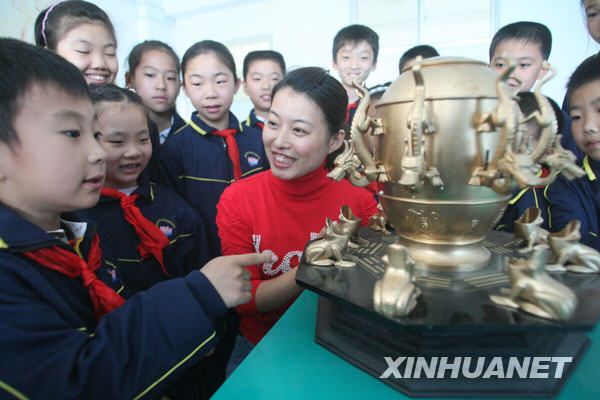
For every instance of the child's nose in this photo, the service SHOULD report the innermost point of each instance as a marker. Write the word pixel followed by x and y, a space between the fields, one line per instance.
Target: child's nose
pixel 133 151
pixel 96 153
pixel 160 82
pixel 211 91
pixel 98 60
pixel 590 126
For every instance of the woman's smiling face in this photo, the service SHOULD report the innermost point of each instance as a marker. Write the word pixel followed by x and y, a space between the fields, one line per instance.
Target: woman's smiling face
pixel 296 136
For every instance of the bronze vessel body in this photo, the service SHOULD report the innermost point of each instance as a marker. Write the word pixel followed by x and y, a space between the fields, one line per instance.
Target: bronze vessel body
pixel 447 149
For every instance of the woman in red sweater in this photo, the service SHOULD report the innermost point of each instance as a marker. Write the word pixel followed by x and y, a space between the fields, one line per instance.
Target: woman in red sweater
pixel 279 210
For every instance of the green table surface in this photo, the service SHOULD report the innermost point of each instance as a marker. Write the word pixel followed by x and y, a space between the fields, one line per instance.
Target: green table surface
pixel 288 364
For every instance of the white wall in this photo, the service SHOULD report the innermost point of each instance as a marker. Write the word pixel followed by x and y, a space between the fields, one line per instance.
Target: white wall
pixel 303 30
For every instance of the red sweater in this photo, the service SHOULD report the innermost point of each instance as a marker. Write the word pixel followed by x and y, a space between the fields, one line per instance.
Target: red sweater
pixel 265 214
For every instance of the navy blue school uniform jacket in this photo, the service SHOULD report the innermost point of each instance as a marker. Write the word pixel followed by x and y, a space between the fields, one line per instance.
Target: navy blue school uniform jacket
pixel 152 170
pixel 188 248
pixel 521 201
pixel 177 124
pixel 196 165
pixel 577 199
pixel 54 348
pixel 253 122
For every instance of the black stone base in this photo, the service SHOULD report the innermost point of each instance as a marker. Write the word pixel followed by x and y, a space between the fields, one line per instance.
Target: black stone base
pixel 361 339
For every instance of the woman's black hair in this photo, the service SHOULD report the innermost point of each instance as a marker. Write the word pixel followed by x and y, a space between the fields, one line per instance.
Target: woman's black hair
pixel 326 92
pixel 55 21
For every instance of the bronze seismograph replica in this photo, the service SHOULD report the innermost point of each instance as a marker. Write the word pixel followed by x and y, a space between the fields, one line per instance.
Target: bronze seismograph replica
pixel 450 148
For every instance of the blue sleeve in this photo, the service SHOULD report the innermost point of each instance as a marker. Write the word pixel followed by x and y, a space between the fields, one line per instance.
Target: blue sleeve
pixel 136 351
pixel 568 201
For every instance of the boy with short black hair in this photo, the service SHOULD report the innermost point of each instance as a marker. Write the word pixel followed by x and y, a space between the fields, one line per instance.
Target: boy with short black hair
pixel 355 50
pixel 580 198
pixel 410 56
pixel 529 43
pixel 262 70
pixel 66 334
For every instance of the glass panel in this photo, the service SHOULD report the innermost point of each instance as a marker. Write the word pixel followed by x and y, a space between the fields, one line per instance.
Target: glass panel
pixel 394 21
pixel 448 21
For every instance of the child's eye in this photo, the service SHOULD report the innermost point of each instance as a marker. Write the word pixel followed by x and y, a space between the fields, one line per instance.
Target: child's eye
pixel 172 78
pixel 72 134
pixel 196 84
pixel 149 75
pixel 524 65
pixel 575 118
pixel 82 51
pixel 365 58
pixel 144 139
pixel 592 14
pixel 272 124
pixel 110 54
pixel 116 142
pixel 221 81
pixel 499 65
pixel 97 135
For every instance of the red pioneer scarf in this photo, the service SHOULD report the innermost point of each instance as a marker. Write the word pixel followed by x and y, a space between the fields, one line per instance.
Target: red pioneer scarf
pixel 152 239
pixel 232 150
pixel 58 259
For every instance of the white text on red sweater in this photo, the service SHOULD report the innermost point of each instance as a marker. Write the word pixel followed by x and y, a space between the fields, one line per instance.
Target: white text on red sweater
pixel 285 264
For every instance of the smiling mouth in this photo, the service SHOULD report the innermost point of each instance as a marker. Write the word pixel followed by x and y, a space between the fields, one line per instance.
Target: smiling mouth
pixel 130 168
pixel 282 161
pixel 97 78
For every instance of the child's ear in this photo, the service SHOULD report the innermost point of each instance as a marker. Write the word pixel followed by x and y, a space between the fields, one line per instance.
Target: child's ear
pixel 5 154
pixel 334 65
pixel 336 141
pixel 237 86
pixel 128 82
pixel 544 70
